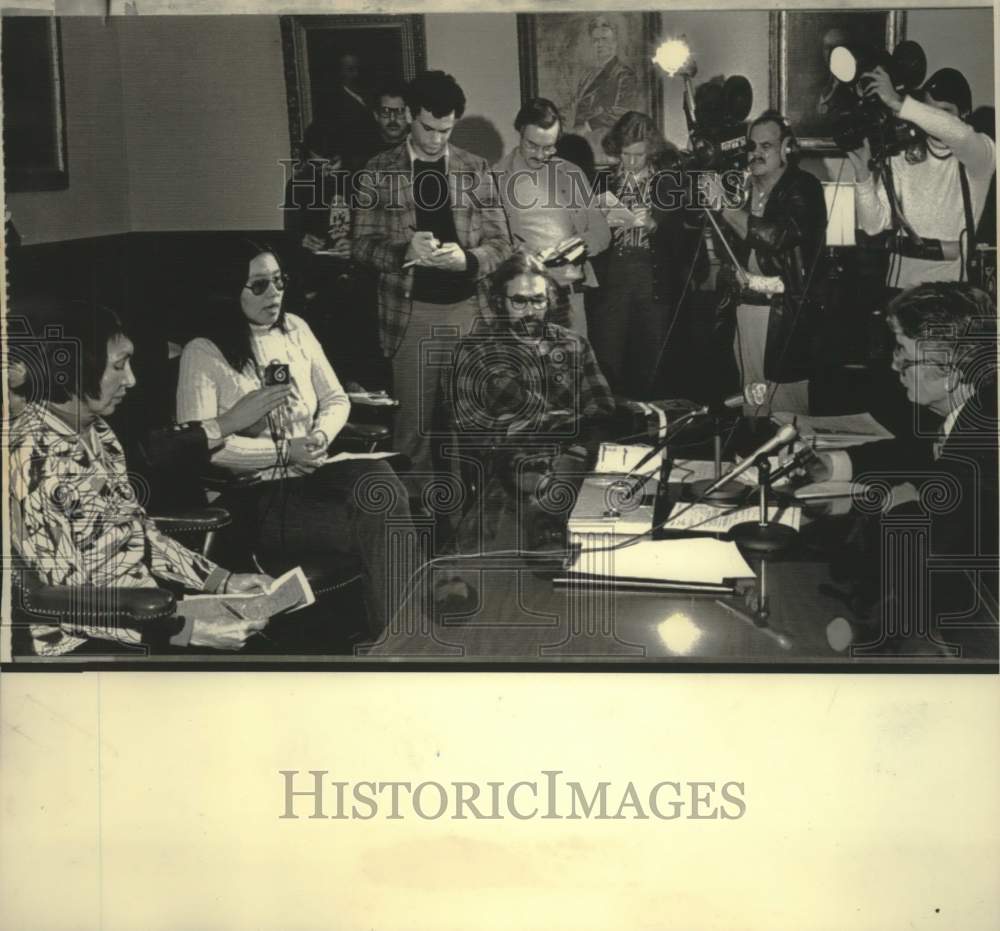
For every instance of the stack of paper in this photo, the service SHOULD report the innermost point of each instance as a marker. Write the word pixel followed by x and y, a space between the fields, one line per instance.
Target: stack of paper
pixel 290 592
pixel 835 432
pixel 696 565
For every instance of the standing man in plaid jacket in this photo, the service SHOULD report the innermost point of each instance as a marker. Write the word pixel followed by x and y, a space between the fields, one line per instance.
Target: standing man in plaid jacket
pixel 428 219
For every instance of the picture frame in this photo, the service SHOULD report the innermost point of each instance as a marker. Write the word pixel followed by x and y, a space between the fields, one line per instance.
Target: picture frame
pixel 560 57
pixel 387 46
pixel 34 131
pixel 799 44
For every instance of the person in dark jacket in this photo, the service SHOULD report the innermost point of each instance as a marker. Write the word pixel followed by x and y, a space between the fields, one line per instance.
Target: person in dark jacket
pixel 941 487
pixel 653 263
pixel 778 237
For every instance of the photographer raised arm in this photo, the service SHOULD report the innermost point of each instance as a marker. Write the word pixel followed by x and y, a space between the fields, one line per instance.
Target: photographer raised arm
pixel 928 189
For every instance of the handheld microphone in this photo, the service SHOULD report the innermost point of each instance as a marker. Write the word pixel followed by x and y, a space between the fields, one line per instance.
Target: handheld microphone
pixel 753 394
pixel 787 434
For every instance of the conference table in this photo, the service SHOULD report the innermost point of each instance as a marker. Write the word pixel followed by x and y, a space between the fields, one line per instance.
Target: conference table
pixel 524 609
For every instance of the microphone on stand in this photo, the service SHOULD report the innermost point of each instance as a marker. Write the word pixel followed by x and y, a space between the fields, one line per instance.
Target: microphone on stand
pixel 787 434
pixel 753 394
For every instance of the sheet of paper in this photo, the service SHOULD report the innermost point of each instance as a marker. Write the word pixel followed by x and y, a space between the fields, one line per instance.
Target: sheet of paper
pixel 344 457
pixel 708 518
pixel 705 560
pixel 843 430
pixel 618 459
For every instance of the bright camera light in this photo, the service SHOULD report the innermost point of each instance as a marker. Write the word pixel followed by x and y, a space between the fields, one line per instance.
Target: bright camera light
pixel 672 55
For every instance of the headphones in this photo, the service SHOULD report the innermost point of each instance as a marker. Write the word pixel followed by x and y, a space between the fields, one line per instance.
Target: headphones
pixel 789 144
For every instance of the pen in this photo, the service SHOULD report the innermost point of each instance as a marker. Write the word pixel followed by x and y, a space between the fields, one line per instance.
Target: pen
pixel 784 642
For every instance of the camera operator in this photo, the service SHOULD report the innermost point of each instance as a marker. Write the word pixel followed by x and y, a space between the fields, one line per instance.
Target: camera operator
pixel 779 234
pixel 929 191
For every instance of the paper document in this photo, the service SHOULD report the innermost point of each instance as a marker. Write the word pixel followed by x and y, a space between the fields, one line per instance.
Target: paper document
pixel 835 432
pixel 618 459
pixel 710 518
pixel 290 592
pixel 615 212
pixel 705 561
pixel 344 457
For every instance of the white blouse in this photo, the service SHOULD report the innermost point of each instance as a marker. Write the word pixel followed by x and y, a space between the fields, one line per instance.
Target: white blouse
pixel 208 386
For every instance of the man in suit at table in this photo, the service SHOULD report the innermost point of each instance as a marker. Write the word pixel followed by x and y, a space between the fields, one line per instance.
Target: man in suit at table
pixel 945 356
pixel 434 231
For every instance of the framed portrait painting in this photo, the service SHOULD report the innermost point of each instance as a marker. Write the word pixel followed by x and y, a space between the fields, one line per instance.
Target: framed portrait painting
pixel 802 87
pixel 34 124
pixel 594 66
pixel 381 47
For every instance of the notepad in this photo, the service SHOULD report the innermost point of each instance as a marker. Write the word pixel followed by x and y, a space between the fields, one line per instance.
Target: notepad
pixel 289 592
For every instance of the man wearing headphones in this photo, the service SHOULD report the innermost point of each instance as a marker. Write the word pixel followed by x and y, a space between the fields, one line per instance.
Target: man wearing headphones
pixel 777 234
pixel 929 190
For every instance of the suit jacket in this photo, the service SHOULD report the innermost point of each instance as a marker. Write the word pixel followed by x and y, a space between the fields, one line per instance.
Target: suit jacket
pixel 605 95
pixel 788 241
pixel 381 233
pixel 963 516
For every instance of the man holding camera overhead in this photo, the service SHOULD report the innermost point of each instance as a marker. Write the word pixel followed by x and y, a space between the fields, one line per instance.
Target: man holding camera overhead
pixel 929 191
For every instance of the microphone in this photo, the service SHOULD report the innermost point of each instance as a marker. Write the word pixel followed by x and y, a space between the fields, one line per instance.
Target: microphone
pixel 753 394
pixel 787 434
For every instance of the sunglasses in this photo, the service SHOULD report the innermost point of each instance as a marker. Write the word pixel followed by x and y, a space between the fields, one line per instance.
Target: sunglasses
pixel 520 301
pixel 259 285
pixel 387 113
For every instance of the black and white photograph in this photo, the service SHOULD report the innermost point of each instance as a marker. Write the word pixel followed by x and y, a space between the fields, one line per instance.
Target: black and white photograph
pixel 429 415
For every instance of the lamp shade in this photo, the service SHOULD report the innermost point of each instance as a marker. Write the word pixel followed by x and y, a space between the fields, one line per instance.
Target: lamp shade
pixel 840 222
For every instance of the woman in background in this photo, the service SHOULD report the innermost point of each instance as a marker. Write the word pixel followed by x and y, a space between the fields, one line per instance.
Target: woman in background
pixel 650 266
pixel 292 505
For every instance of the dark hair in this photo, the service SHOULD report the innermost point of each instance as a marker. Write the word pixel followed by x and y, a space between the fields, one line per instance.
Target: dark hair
pixel 69 352
pixel 538 111
pixel 633 127
pixel 520 263
pixel 955 316
pixel 393 87
pixel 576 149
pixel 227 326
pixel 437 93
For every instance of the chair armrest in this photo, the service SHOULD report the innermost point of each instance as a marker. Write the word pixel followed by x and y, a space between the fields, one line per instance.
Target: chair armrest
pixel 134 604
pixel 195 520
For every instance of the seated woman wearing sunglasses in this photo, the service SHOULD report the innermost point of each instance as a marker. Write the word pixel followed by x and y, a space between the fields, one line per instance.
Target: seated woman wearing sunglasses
pixel 292 505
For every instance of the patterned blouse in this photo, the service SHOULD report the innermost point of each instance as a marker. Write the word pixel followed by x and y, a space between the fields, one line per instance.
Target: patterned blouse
pixel 76 518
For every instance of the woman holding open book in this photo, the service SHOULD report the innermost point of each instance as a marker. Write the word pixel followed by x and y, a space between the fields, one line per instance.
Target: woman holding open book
pixel 290 504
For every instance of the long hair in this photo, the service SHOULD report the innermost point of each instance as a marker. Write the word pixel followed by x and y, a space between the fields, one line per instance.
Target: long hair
pixel 226 325
pixel 520 263
pixel 633 127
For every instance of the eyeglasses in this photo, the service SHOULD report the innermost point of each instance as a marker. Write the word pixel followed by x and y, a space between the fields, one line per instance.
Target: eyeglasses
pixel 535 147
pixel 259 285
pixel 387 113
pixel 521 301
pixel 902 364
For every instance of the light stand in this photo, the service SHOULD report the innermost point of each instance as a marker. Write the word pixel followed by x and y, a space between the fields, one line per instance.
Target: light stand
pixel 763 536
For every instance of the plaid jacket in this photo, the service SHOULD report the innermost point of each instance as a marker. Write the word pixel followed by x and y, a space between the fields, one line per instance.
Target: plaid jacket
pixel 501 380
pixel 381 233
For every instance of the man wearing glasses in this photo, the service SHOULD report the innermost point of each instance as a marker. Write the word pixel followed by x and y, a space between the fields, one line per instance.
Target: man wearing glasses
pixel 945 357
pixel 390 116
pixel 547 201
